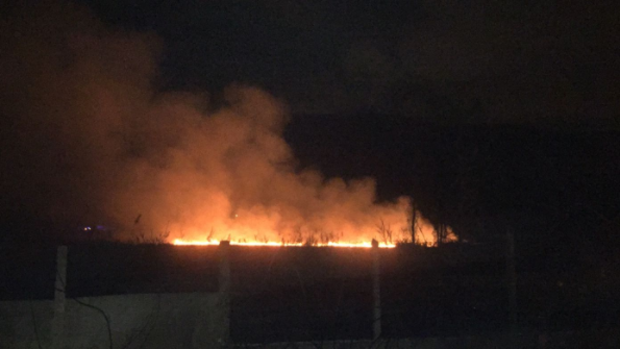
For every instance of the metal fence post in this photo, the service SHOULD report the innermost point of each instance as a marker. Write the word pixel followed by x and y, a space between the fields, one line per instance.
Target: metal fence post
pixel 60 285
pixel 511 277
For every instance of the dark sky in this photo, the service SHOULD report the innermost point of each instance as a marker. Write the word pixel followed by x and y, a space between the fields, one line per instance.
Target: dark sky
pixel 533 62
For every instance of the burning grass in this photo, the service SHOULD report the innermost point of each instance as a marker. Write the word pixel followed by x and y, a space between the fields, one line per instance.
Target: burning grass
pixel 181 242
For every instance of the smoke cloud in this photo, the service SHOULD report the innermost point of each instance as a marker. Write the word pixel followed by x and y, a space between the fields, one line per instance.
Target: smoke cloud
pixel 88 139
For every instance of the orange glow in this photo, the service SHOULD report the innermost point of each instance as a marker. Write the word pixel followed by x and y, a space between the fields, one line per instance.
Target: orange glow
pixel 181 242
pixel 241 231
pixel 179 168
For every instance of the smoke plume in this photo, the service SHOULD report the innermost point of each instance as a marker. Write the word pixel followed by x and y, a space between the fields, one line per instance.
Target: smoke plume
pixel 88 139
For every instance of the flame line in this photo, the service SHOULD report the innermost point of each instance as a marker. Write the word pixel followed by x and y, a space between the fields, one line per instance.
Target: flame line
pixel 180 242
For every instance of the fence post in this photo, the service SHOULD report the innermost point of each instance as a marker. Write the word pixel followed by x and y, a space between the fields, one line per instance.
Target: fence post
pixel 376 290
pixel 58 322
pixel 511 276
pixel 224 290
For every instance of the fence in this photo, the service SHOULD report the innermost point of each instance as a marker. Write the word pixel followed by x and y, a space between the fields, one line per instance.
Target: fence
pixel 278 297
pixel 156 320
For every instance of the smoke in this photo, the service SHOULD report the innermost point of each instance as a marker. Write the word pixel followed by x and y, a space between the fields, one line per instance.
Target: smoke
pixel 87 138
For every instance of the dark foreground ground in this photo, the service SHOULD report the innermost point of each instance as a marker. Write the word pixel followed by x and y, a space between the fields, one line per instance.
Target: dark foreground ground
pixel 304 293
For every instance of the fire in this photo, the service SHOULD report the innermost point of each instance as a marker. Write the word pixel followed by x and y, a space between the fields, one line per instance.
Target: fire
pixel 241 231
pixel 181 242
pixel 172 166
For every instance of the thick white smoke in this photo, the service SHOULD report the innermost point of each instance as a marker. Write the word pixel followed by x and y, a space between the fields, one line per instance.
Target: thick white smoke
pixel 90 139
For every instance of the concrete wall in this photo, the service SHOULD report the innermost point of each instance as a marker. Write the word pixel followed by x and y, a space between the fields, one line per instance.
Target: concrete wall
pixel 191 320
pixel 609 339
pixel 201 320
pixel 21 321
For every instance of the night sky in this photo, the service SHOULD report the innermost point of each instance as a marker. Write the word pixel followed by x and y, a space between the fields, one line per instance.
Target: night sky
pixel 476 109
pixel 535 62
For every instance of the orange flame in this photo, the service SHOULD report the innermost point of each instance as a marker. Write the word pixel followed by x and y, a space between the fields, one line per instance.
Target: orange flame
pixel 425 234
pixel 181 242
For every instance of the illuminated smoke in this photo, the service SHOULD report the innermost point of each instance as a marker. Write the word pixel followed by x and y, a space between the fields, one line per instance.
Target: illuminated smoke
pixel 90 139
